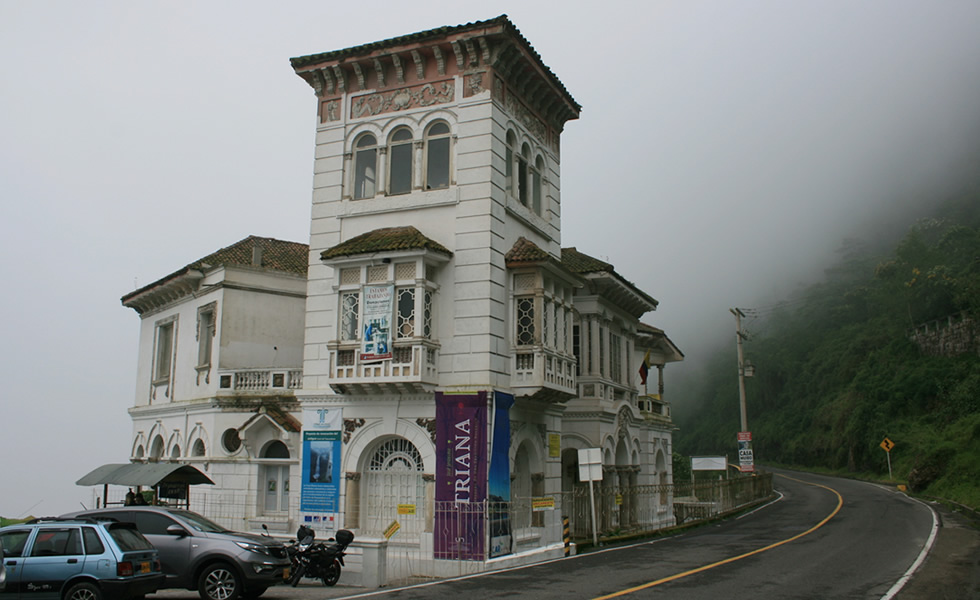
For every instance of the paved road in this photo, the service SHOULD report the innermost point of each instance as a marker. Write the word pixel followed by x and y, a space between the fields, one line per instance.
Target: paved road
pixel 825 538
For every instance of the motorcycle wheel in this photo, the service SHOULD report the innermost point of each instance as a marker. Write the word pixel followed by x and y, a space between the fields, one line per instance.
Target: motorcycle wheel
pixel 297 574
pixel 332 576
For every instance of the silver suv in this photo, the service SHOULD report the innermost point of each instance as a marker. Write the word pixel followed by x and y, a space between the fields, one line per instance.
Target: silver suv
pixel 199 554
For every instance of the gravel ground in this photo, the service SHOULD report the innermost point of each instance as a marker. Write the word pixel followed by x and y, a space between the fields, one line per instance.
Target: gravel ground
pixel 951 571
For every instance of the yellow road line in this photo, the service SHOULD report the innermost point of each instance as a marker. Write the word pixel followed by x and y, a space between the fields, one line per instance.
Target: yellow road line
pixel 840 503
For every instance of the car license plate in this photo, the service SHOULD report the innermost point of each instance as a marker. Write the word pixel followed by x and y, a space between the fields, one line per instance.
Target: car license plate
pixel 144 567
pixel 285 573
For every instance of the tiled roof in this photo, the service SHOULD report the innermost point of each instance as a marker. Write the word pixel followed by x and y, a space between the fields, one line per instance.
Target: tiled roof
pixel 423 36
pixel 583 264
pixel 292 257
pixel 385 240
pixel 577 262
pixel 285 420
pixel 524 250
pixel 277 255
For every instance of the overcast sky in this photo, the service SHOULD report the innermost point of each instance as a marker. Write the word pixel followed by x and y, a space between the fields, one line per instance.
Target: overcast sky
pixel 723 152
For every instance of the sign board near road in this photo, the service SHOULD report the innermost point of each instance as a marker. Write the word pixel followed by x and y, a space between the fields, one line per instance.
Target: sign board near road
pixel 746 460
pixel 887 445
pixel 708 463
pixel 590 464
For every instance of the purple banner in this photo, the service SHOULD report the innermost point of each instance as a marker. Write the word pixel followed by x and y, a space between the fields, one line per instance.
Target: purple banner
pixel 461 476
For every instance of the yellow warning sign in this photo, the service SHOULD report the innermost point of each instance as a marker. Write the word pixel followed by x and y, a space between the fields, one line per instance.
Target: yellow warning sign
pixel 539 504
pixel 392 530
pixel 887 444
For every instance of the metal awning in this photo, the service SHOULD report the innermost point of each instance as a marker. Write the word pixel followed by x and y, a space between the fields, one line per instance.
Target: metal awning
pixel 145 474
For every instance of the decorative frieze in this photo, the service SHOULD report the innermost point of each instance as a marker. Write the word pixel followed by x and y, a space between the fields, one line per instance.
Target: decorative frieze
pixel 350 426
pixel 429 425
pixel 528 119
pixel 473 84
pixel 330 111
pixel 369 105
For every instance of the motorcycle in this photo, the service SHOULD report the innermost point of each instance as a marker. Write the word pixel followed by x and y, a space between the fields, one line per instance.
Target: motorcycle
pixel 317 560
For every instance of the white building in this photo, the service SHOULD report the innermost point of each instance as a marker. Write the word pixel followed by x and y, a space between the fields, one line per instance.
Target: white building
pixel 435 274
pixel 220 356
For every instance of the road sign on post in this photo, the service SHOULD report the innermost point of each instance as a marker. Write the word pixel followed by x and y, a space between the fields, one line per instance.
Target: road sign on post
pixel 590 469
pixel 887 445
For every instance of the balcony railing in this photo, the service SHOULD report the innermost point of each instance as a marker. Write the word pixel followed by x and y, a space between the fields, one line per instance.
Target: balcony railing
pixel 543 370
pixel 653 407
pixel 412 368
pixel 259 380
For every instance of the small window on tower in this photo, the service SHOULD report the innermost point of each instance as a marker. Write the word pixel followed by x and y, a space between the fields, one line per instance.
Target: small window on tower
pixel 437 143
pixel 400 161
pixel 365 167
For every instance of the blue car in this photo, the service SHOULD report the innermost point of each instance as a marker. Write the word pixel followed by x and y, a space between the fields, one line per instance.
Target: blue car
pixel 78 559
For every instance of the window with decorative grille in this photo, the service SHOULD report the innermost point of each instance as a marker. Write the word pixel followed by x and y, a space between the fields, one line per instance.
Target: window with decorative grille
pixel 406 312
pixel 349 305
pixel 525 321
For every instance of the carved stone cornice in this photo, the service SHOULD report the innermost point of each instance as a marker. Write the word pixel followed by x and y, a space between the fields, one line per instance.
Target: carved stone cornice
pixel 495 45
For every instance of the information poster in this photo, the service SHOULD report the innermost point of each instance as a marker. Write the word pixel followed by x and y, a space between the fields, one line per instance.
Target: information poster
pixel 376 341
pixel 320 492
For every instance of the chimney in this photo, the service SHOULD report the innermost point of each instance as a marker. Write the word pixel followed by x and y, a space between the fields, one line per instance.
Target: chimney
pixel 256 255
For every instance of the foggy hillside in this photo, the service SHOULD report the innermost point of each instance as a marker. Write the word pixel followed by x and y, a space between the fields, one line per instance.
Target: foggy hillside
pixel 837 368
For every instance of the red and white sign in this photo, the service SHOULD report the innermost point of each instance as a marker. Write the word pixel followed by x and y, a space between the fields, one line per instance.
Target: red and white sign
pixel 745 436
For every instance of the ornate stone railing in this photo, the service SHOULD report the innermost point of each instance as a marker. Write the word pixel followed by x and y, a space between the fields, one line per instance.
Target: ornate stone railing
pixel 543 368
pixel 254 380
pixel 412 367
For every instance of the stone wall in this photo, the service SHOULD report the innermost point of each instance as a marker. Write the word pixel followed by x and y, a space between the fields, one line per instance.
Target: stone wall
pixel 957 334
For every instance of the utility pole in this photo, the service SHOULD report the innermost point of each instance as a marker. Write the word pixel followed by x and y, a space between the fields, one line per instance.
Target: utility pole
pixel 746 459
pixel 741 365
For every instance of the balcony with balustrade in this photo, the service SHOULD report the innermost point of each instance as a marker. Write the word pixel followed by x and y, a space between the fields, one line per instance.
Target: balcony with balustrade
pixel 265 382
pixel 543 373
pixel 412 368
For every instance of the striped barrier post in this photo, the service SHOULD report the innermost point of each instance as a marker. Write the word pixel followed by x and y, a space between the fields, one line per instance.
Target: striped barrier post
pixel 566 534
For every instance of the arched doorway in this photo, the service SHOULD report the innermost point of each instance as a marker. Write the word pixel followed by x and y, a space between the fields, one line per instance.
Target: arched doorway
pixel 393 477
pixel 274 479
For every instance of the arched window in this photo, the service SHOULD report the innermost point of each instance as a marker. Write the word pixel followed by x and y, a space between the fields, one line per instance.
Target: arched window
pixel 437 143
pixel 523 193
pixel 537 186
pixel 198 448
pixel 156 448
pixel 275 449
pixel 400 161
pixel 365 167
pixel 509 172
